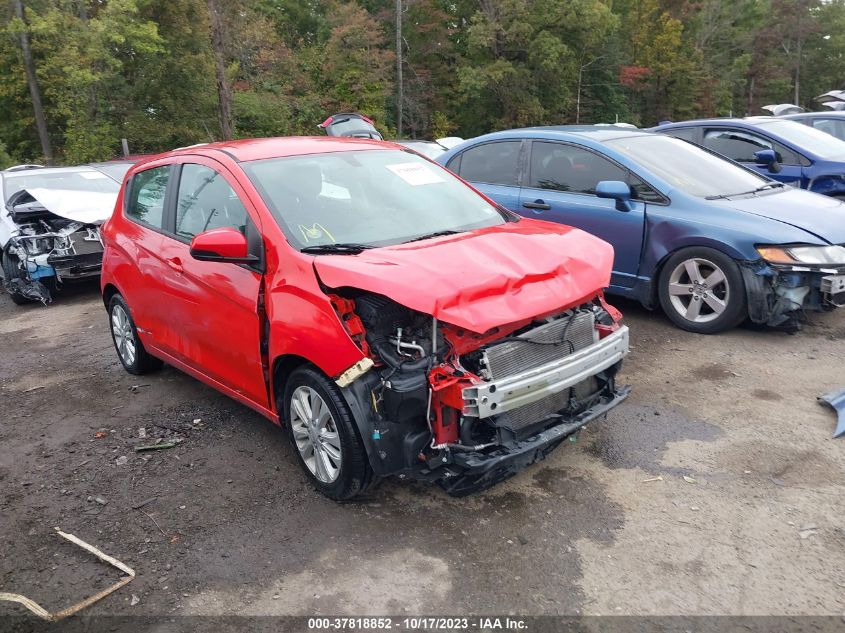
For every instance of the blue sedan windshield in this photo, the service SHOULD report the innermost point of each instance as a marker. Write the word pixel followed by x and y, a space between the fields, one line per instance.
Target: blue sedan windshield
pixel 804 137
pixel 686 166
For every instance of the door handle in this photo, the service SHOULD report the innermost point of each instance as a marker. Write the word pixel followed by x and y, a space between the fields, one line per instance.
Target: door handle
pixel 538 204
pixel 175 263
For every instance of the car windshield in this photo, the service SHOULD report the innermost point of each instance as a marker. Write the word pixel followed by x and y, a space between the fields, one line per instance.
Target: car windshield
pixel 114 170
pixel 74 180
pixel 686 166
pixel 804 137
pixel 370 198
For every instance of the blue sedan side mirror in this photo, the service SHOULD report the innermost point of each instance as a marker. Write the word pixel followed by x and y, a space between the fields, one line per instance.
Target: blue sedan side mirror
pixel 767 158
pixel 617 190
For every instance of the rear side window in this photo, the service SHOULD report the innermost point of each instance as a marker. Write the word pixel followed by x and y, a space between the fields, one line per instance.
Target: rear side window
pixel 493 163
pixel 568 168
pixel 205 202
pixel 146 196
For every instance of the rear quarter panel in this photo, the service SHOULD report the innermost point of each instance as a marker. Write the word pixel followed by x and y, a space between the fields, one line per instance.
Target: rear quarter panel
pixel 129 265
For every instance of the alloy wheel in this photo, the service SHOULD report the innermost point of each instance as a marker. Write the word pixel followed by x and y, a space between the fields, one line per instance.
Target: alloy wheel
pixel 124 338
pixel 699 290
pixel 315 434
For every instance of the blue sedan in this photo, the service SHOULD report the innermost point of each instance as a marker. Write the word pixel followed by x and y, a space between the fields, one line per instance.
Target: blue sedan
pixel 784 150
pixel 711 242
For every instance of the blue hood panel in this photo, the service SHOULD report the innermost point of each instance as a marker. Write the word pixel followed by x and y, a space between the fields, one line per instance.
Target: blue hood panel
pixel 822 216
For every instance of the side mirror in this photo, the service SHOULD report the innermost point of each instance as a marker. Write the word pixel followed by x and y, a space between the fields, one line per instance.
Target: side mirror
pixel 616 190
pixel 222 245
pixel 767 158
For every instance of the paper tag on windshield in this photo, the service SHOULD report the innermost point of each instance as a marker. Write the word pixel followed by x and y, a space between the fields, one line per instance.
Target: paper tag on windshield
pixel 92 175
pixel 416 173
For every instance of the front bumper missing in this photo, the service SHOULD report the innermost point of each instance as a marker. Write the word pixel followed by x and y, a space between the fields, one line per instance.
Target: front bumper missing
pixel 77 266
pixel 478 471
pixel 778 295
pixel 499 396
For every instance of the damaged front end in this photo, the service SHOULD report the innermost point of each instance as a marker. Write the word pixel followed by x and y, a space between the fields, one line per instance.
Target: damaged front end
pixel 781 291
pixel 45 249
pixel 441 403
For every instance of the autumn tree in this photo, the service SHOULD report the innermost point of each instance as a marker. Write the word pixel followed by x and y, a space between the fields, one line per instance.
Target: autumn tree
pixel 163 74
pixel 661 73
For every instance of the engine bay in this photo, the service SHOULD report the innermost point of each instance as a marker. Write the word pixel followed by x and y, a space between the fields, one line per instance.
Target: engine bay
pixel 46 247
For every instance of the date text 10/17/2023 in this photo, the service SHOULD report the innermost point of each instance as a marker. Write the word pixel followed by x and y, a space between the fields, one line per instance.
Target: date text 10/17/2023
pixel 445 624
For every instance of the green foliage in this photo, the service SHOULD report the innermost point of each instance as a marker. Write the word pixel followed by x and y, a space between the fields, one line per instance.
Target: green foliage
pixel 144 69
pixel 5 159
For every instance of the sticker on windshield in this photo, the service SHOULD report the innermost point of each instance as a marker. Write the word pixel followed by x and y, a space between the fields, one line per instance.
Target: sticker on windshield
pixel 92 175
pixel 416 174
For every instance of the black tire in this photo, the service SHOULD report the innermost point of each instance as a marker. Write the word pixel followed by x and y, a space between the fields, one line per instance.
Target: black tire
pixel 10 272
pixel 727 295
pixel 355 475
pixel 142 362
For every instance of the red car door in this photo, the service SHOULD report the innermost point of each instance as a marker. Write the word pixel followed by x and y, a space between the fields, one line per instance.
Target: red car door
pixel 211 312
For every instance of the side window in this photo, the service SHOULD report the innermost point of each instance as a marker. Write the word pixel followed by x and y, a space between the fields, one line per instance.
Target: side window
pixel 685 133
pixel 146 196
pixel 567 168
pixel 736 144
pixel 205 202
pixel 835 127
pixel 495 163
pixel 740 145
pixel 642 191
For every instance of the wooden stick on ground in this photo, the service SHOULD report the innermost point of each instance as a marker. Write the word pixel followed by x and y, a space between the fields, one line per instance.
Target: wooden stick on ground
pixel 41 612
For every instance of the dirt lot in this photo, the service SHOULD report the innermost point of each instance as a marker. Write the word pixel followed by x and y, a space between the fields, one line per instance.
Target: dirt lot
pixel 607 525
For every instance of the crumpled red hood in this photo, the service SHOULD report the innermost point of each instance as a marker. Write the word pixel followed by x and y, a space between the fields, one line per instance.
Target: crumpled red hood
pixel 481 279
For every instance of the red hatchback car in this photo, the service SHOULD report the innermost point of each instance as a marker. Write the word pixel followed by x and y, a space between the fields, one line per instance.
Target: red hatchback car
pixel 395 320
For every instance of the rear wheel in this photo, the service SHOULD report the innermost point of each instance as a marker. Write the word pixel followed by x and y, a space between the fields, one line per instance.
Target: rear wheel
pixel 130 349
pixel 10 272
pixel 325 437
pixel 701 290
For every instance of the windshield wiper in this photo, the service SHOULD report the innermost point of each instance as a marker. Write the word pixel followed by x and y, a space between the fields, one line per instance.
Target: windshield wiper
pixel 428 236
pixel 768 185
pixel 342 248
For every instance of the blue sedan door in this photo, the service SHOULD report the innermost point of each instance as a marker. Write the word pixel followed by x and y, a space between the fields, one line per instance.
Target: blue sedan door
pixel 560 186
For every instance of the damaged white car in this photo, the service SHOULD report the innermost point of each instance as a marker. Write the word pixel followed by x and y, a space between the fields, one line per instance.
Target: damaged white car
pixel 50 227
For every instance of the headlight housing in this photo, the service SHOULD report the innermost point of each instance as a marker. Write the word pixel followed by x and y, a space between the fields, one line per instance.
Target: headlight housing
pixel 808 255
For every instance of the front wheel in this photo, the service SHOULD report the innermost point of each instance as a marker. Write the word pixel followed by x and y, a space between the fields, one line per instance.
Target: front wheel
pixel 701 290
pixel 323 432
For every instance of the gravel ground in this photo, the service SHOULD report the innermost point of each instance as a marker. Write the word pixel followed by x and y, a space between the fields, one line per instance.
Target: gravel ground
pixel 715 489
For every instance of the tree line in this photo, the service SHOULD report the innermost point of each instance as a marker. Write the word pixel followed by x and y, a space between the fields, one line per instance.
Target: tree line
pixel 77 76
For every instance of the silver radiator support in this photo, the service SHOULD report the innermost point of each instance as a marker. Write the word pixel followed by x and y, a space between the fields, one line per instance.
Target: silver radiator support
pixel 527 386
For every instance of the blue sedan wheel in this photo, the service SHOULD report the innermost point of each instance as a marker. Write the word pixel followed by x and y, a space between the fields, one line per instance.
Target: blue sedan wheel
pixel 701 290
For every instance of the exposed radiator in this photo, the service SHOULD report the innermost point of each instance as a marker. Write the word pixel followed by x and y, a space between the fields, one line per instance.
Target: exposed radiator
pixel 530 414
pixel 513 357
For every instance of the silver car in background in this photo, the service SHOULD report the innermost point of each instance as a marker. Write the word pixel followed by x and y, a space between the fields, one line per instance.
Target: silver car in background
pixel 50 227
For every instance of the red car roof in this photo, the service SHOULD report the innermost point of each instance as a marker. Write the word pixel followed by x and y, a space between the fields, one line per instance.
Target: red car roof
pixel 258 148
